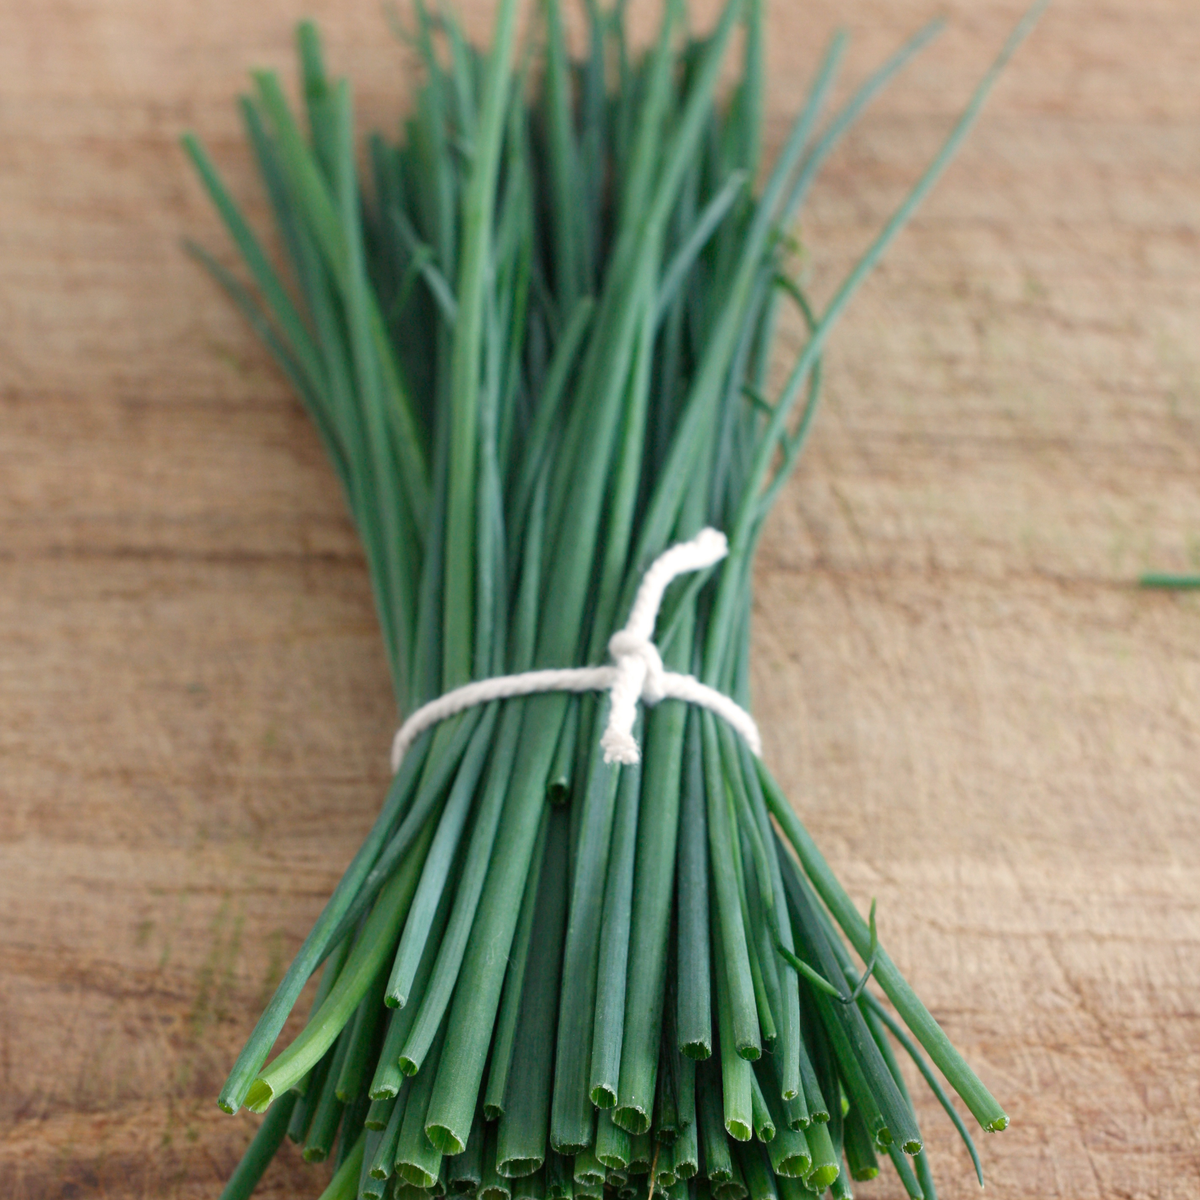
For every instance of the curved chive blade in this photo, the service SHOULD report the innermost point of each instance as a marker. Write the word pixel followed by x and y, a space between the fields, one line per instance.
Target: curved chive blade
pixel 319 940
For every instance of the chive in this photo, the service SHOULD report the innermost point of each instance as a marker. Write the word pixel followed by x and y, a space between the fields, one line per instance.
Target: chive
pixel 658 826
pixel 563 160
pixel 613 1144
pixel 791 1049
pixel 452 1106
pixel 466 1169
pixel 794 1189
pixel 530 1187
pixel 684 1071
pixel 514 983
pixel 382 1164
pixel 859 1058
pixel 693 1004
pixel 308 1089
pixel 558 785
pixel 467 352
pixel 295 335
pixel 852 1069
pixel 736 1071
pixel 925 1177
pixel 589 1170
pixel 438 861
pixel 923 1181
pixel 258 1046
pixel 380 1113
pixel 760 1182
pixel 835 1126
pixel 764 1124
pixel 418 1159
pixel 378 934
pixel 344 1184
pixel 363 1049
pixel 450 742
pixel 860 1151
pixel 814 1098
pixel 824 1073
pixel 736 1188
pixel 788 1148
pixel 1160 580
pixel 731 957
pixel 554 391
pixel 471 888
pixel 825 1164
pixel 796 1113
pixel 664 1167
pixel 369 1140
pixel 493 1186
pixel 524 1124
pixel 808 1105
pixel 388 1078
pixel 687 1151
pixel 572 1112
pixel 641 1152
pixel 616 916
pixel 717 1154
pixel 560 1182
pixel 353 1124
pixel 665 1125
pixel 878 1012
pixel 840 1188
pixel 908 1177
pixel 758 945
pixel 306 1104
pixel 406 1191
pixel 261 1150
pixel 327 1116
pixel 370 1188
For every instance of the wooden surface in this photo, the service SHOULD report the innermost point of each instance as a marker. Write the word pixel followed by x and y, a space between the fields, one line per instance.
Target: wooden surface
pixel 983 723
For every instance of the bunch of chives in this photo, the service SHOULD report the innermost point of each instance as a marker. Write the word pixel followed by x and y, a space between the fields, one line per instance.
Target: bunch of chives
pixel 536 345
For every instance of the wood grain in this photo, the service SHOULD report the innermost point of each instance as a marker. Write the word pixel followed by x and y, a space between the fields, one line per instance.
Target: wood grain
pixel 985 725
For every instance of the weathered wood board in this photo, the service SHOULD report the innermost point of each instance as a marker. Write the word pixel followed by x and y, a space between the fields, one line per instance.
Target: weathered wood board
pixel 985 725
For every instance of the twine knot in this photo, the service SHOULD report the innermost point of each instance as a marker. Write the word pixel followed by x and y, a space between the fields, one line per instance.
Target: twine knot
pixel 640 671
pixel 637 672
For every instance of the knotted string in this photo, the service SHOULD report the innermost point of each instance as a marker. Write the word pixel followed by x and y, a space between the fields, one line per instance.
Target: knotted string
pixel 636 673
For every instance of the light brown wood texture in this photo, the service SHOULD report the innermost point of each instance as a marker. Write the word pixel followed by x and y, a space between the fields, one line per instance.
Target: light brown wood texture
pixel 983 722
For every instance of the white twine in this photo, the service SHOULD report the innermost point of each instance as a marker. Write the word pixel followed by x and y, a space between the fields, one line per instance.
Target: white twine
pixel 637 672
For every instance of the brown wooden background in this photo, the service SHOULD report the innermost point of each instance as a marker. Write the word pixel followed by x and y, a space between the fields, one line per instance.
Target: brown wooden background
pixel 984 724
